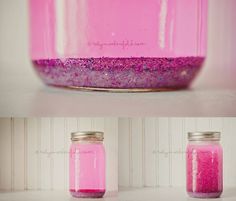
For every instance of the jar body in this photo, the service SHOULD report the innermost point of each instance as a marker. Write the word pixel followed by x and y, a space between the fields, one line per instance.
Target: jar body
pixel 87 170
pixel 118 44
pixel 204 169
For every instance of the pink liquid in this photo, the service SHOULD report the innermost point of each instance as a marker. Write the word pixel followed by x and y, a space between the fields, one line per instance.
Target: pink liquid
pixel 136 34
pixel 87 170
pixel 118 28
pixel 204 170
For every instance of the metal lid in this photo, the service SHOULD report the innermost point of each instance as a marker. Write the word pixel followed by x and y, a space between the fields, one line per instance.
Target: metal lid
pixel 87 136
pixel 204 136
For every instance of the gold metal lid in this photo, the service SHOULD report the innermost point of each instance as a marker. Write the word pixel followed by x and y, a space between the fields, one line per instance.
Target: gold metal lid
pixel 87 136
pixel 204 136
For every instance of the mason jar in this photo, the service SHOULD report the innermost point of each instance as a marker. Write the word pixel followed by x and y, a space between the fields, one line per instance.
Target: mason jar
pixel 87 165
pixel 118 45
pixel 204 165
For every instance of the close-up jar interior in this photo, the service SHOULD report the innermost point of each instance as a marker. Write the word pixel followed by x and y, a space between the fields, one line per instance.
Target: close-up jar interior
pixel 130 45
pixel 163 57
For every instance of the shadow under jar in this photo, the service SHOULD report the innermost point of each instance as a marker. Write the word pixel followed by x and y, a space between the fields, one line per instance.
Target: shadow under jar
pixel 87 165
pixel 118 45
pixel 204 165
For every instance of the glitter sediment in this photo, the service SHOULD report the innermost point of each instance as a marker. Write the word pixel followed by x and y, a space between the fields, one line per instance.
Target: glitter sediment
pixel 120 73
pixel 86 193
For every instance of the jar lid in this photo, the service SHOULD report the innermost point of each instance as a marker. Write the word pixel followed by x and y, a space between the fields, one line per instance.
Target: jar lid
pixel 87 136
pixel 204 136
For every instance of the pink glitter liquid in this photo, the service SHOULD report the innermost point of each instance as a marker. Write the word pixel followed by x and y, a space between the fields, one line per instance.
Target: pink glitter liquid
pixel 204 170
pixel 87 170
pixel 118 44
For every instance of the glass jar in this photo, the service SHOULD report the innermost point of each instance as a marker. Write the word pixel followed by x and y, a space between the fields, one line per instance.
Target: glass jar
pixel 204 165
pixel 118 45
pixel 87 165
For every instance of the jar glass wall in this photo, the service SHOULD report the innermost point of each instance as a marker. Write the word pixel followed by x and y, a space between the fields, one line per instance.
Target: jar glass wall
pixel 204 168
pixel 118 44
pixel 87 165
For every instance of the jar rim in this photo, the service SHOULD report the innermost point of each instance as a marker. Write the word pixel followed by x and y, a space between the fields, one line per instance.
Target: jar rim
pixel 87 136
pixel 204 136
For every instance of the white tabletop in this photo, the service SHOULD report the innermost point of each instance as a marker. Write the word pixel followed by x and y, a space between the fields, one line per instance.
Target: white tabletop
pixel 168 194
pixel 58 195
pixel 148 194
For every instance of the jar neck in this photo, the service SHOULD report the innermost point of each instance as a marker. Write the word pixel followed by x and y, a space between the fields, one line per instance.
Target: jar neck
pixel 87 142
pixel 204 142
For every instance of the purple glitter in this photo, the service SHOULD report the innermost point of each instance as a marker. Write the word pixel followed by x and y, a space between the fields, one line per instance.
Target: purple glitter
pixel 120 73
